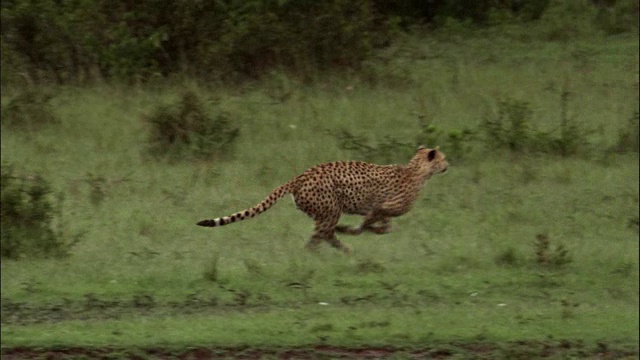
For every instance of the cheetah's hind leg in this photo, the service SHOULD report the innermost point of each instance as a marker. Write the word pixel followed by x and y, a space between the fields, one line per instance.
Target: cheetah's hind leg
pixel 367 225
pixel 325 231
pixel 349 230
pixel 383 228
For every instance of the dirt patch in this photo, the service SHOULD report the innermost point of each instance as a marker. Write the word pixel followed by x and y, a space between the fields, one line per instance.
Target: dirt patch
pixel 95 308
pixel 515 350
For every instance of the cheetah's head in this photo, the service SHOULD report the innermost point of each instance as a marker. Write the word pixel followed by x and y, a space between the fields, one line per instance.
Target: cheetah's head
pixel 429 162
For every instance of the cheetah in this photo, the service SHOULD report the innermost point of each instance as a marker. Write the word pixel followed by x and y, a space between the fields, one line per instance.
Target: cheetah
pixel 325 191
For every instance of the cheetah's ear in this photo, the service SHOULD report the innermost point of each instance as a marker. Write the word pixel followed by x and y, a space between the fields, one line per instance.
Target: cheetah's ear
pixel 421 147
pixel 432 154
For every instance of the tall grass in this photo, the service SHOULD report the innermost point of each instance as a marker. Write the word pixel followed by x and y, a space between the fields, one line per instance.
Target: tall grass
pixel 471 239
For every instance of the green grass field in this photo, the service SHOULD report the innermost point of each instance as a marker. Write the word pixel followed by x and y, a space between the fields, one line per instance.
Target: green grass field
pixel 461 268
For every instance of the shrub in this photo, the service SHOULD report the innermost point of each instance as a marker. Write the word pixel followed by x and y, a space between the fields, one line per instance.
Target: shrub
pixel 508 257
pixel 568 19
pixel 30 109
pixel 187 129
pixel 29 215
pixel 618 16
pixel 511 127
pixel 458 143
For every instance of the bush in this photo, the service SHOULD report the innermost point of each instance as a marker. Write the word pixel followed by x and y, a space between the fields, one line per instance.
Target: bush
pixel 568 19
pixel 73 41
pixel 187 129
pixel 30 109
pixel 619 17
pixel 78 41
pixel 28 215
pixel 512 129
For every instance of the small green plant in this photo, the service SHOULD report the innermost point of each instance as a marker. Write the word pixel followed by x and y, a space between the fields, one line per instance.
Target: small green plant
pixel 568 308
pixel 628 135
pixel 31 218
pixel 563 20
pixel 212 273
pixel 617 17
pixel 429 134
pixel 324 327
pixel 143 301
pixel 571 137
pixel 254 268
pixel 241 297
pixel 279 86
pixel 98 188
pixel 187 129
pixel 458 143
pixel 548 257
pixel 508 257
pixel 28 110
pixel 369 266
pixel 510 127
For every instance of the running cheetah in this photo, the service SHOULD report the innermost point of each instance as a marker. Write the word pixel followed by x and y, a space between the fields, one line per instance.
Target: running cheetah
pixel 325 191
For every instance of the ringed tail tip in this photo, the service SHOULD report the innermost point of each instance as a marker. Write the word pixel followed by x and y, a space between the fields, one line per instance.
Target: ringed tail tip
pixel 206 223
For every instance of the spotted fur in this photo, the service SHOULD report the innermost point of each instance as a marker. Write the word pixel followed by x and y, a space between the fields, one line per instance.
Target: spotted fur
pixel 325 191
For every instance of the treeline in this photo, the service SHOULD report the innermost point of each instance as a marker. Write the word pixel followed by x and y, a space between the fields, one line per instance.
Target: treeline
pixel 75 41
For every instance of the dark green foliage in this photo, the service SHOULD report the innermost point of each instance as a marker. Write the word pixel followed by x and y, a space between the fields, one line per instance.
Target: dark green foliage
pixel 566 19
pixel 618 16
pixel 28 110
pixel 31 224
pixel 187 129
pixel 79 41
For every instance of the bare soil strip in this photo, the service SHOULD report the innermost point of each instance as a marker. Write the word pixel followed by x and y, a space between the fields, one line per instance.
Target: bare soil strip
pixel 516 350
pixel 93 308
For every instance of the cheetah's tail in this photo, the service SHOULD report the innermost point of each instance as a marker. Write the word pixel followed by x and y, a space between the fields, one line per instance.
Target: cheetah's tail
pixel 276 194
